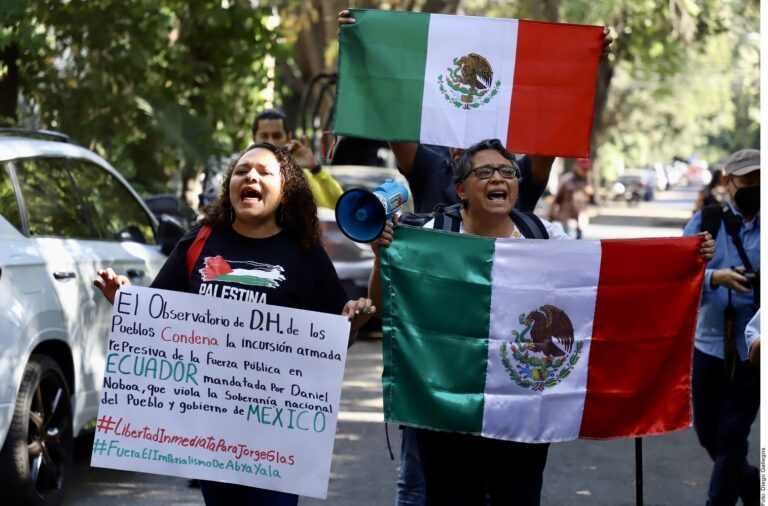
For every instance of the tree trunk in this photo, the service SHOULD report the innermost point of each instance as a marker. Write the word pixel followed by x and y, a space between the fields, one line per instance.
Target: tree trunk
pixel 440 6
pixel 316 28
pixel 9 85
pixel 545 10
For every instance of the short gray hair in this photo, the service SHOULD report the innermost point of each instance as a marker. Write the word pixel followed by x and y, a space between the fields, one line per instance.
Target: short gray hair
pixel 464 165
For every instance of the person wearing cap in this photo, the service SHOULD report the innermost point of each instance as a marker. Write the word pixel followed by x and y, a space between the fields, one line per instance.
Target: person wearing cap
pixel 725 386
pixel 569 206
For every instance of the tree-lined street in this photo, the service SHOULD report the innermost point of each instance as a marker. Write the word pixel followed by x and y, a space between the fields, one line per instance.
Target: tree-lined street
pixel 166 92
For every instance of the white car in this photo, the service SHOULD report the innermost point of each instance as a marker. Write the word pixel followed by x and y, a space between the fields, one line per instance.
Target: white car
pixel 64 214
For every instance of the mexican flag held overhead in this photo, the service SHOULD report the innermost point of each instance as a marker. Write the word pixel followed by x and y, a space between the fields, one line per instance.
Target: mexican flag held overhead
pixel 539 341
pixel 455 80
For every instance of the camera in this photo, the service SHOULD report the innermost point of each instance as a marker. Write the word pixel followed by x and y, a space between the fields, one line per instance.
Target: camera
pixel 752 276
pixel 754 280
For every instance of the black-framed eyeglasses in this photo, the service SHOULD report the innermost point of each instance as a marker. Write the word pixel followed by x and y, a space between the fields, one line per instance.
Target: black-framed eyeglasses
pixel 507 172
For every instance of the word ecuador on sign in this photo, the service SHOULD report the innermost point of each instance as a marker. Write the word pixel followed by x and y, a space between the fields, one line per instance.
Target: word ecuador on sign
pixel 223 390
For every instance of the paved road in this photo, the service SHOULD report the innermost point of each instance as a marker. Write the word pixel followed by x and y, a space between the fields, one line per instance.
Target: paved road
pixel 663 217
pixel 578 473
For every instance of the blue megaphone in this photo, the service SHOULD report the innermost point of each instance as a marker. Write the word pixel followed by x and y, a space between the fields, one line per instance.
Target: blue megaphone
pixel 362 214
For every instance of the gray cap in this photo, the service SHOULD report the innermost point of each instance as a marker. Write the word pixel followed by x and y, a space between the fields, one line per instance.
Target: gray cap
pixel 743 162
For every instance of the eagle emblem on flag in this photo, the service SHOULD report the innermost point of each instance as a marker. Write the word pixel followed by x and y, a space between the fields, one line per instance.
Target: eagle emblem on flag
pixel 469 83
pixel 543 352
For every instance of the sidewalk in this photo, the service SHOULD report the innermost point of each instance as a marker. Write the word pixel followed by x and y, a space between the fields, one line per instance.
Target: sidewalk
pixel 671 208
pixel 658 215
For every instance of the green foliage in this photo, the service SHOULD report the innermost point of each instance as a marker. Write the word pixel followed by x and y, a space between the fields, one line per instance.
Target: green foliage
pixel 159 87
pixel 154 85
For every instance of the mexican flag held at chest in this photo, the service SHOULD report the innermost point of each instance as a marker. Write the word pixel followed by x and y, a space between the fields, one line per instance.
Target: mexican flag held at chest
pixel 456 80
pixel 539 341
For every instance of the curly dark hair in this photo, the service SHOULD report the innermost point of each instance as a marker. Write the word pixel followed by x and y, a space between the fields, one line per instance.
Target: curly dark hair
pixel 297 213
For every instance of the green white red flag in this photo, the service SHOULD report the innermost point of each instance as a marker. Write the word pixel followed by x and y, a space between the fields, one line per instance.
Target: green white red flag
pixel 537 341
pixel 455 80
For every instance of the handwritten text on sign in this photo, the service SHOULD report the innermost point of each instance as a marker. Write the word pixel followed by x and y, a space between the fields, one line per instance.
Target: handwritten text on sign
pixel 221 390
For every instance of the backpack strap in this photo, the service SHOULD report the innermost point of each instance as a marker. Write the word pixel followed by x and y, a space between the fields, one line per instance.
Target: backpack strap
pixel 733 227
pixel 414 219
pixel 448 218
pixel 440 221
pixel 529 225
pixel 193 253
pixel 710 219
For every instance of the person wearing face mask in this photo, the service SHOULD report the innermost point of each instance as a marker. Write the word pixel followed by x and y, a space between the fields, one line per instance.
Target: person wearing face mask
pixel 725 386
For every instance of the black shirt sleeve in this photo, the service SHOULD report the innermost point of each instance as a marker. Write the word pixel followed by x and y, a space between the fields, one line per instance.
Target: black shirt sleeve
pixel 529 192
pixel 173 274
pixel 421 167
pixel 328 294
pixel 431 178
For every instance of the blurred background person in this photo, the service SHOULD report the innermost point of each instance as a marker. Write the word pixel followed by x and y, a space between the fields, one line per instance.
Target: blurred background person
pixel 714 193
pixel 572 199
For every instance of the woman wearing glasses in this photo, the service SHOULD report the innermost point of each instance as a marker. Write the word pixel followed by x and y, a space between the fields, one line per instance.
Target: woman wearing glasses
pixel 487 180
pixel 463 469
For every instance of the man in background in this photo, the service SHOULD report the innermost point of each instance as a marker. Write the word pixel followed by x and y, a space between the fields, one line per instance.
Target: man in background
pixel 270 126
pixel 725 386
pixel 572 199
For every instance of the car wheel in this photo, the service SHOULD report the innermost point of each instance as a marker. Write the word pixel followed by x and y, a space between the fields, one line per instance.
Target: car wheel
pixel 37 456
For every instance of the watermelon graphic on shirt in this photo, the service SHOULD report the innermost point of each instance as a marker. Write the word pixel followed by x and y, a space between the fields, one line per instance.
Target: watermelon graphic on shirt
pixel 243 272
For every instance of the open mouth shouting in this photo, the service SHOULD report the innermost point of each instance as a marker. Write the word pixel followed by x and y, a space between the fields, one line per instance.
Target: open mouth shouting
pixel 497 197
pixel 250 195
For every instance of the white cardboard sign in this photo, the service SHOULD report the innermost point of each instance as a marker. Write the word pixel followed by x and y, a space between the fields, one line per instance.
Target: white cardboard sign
pixel 216 389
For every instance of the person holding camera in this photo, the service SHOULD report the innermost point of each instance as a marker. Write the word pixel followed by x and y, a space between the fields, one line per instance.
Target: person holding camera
pixel 725 386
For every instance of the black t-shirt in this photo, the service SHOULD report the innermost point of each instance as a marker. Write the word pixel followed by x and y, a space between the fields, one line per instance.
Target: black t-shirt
pixel 271 271
pixel 431 181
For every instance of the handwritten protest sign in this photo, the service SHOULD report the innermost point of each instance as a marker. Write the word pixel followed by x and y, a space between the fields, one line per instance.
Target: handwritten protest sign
pixel 209 388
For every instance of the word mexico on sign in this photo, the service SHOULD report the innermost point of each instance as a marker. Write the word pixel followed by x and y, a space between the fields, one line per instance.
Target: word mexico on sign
pixel 221 390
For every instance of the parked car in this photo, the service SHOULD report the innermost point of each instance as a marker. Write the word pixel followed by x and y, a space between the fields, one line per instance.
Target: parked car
pixel 635 185
pixel 661 178
pixel 699 174
pixel 64 213
pixel 675 172
pixel 168 204
pixel 353 261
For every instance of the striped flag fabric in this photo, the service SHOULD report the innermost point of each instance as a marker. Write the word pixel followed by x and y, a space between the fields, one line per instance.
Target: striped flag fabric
pixel 455 80
pixel 539 341
pixel 245 272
